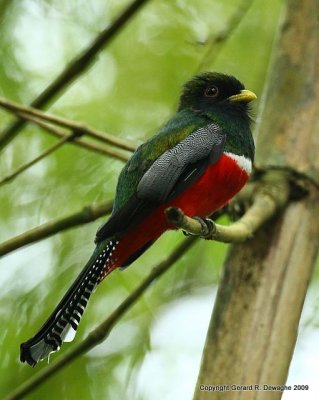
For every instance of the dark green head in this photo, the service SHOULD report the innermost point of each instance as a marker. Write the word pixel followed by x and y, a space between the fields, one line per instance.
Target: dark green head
pixel 223 100
pixel 212 91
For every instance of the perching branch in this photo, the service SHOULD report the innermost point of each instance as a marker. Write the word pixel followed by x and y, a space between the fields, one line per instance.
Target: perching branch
pixel 103 330
pixel 269 198
pixel 76 127
pixel 86 215
pixel 75 68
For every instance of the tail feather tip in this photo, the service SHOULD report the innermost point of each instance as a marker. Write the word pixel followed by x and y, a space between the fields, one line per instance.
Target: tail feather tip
pixel 26 355
pixel 61 326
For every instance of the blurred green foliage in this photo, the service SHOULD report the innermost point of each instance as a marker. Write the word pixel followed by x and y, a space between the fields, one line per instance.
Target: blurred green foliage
pixel 131 90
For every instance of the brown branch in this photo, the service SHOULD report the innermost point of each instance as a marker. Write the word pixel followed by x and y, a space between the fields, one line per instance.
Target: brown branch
pixel 269 198
pixel 64 137
pixel 75 68
pixel 103 330
pixel 76 127
pixel 86 215
pixel 105 150
pixel 77 130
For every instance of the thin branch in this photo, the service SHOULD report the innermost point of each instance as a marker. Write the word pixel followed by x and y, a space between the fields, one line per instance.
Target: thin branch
pixel 215 42
pixel 76 127
pixel 75 68
pixel 40 157
pixel 64 137
pixel 103 330
pixel 86 215
pixel 272 195
pixel 105 150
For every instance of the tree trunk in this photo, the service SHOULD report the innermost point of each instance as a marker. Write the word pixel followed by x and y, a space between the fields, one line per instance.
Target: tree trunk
pixel 253 330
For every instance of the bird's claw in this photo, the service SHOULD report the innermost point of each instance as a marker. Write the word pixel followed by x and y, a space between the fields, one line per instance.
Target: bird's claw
pixel 207 226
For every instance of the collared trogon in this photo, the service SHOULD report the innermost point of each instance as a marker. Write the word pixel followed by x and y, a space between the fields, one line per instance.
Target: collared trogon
pixel 197 161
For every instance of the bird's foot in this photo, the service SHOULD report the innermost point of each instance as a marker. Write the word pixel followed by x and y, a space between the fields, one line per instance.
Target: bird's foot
pixel 207 228
pixel 191 226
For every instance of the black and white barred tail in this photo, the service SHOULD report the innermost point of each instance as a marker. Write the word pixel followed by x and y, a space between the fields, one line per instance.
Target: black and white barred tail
pixel 62 324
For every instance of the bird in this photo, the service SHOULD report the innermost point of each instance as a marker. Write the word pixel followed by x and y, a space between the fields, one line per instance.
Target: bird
pixel 197 162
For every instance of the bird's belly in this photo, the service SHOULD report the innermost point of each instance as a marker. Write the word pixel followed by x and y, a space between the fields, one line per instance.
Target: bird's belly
pixel 219 183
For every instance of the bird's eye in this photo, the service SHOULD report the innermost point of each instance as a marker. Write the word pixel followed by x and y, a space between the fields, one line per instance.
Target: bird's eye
pixel 211 91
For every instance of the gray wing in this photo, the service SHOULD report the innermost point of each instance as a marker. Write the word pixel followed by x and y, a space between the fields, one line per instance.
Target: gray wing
pixel 158 182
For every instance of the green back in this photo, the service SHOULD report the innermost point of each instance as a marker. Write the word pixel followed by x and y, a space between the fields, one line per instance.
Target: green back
pixel 176 129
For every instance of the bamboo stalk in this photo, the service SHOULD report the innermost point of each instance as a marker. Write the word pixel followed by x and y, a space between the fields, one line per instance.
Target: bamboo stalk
pixel 253 330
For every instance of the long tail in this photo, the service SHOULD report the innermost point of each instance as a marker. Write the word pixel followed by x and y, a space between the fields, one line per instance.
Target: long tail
pixel 62 324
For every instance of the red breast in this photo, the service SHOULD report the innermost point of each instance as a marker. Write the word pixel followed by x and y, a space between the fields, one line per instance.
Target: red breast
pixel 220 182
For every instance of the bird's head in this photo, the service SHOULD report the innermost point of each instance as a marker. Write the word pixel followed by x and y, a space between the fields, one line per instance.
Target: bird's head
pixel 211 91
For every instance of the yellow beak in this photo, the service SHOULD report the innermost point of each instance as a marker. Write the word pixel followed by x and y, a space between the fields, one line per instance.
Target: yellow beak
pixel 245 96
